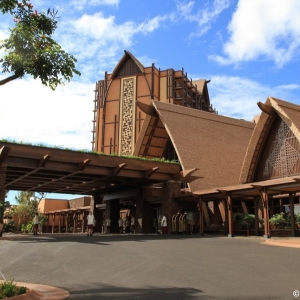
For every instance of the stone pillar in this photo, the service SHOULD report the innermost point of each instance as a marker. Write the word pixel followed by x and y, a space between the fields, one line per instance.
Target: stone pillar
pixel 98 213
pixel 144 212
pixel 170 207
pixel 2 195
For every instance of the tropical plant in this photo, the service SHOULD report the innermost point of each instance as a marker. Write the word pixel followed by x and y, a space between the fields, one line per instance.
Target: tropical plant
pixel 10 289
pixel 30 48
pixel 297 218
pixel 9 227
pixel 245 221
pixel 279 220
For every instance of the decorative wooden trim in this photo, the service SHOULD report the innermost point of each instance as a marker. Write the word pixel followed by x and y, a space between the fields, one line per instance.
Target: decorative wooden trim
pixel 147 109
pixel 268 109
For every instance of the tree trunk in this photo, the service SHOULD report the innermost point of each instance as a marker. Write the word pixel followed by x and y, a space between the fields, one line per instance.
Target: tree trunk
pixel 10 78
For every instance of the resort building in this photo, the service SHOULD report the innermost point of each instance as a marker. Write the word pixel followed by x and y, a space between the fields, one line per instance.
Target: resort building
pixel 223 174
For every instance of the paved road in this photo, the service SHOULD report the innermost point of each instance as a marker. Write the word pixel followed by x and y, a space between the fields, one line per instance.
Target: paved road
pixel 153 266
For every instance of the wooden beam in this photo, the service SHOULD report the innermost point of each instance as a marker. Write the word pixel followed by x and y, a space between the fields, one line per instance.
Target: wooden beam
pixel 268 109
pixel 117 169
pixel 147 109
pixel 257 187
pixel 183 175
pixel 83 164
pixel 224 192
pixel 44 160
pixel 149 172
pixel 3 153
pixel 244 207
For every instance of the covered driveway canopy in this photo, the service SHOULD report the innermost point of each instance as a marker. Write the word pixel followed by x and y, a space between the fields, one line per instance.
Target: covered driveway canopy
pixel 44 169
pixel 273 187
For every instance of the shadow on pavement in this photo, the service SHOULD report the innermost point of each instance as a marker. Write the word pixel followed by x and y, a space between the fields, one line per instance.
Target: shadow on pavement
pixel 149 293
pixel 100 239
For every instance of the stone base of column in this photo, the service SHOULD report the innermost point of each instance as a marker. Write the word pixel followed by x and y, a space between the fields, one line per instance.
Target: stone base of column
pixel 266 236
pixel 230 235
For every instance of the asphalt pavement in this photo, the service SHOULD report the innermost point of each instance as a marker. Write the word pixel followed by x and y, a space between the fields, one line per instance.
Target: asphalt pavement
pixel 154 266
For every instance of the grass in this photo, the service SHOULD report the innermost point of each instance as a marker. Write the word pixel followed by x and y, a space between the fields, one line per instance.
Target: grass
pixel 10 289
pixel 92 152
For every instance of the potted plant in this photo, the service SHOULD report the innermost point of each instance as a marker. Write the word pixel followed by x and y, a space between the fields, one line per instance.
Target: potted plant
pixel 297 220
pixel 278 221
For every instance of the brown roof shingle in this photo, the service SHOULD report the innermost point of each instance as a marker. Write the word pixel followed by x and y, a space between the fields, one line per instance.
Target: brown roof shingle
pixel 214 144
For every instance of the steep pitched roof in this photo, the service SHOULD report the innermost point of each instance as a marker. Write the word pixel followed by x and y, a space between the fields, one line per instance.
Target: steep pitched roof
pixel 214 144
pixel 272 109
pixel 127 55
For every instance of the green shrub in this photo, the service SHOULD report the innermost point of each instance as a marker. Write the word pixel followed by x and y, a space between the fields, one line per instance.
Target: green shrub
pixel 9 227
pixel 279 220
pixel 9 289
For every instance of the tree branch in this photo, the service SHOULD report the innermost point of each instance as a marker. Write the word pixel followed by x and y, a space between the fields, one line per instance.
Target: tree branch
pixel 10 78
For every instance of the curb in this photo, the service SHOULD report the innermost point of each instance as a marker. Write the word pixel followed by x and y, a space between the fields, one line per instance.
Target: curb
pixel 40 292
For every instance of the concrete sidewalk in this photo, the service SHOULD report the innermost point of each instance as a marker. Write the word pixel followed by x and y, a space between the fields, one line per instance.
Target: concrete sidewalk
pixel 292 242
pixel 41 292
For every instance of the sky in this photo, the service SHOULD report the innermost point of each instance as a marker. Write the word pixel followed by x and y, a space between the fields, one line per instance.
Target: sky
pixel 248 49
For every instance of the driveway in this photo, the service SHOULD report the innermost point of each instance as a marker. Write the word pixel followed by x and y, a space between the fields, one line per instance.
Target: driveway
pixel 153 266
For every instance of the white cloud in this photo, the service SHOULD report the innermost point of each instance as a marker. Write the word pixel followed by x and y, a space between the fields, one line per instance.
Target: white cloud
pixel 268 29
pixel 205 16
pixel 96 39
pixel 237 97
pixel 31 112
pixel 81 4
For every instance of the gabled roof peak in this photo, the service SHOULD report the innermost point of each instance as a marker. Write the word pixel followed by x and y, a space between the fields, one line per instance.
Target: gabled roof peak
pixel 122 61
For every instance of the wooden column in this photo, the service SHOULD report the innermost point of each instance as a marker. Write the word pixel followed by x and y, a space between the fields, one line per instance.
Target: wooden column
pixel 256 223
pixel 265 202
pixel 53 222
pixel 266 214
pixel 67 222
pixel 170 207
pixel 292 213
pixel 228 199
pixel 98 214
pixel 201 216
pixel 59 223
pixel 83 224
pixel 48 221
pixel 281 205
pixel 2 193
pixel 230 220
pixel 74 221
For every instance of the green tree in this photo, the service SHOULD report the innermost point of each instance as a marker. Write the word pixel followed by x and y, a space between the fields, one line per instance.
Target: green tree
pixel 30 48
pixel 28 203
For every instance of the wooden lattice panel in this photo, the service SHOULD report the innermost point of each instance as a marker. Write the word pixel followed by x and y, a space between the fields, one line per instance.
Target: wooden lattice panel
pixel 127 108
pixel 281 157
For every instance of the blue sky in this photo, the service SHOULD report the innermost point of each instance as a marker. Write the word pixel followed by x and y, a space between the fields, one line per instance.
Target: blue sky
pixel 249 50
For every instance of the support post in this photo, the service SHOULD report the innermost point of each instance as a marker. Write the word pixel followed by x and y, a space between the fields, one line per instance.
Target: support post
pixel 292 213
pixel 230 219
pixel 48 221
pixel 59 223
pixel 169 205
pixel 98 214
pixel 201 217
pixel 53 222
pixel 144 212
pixel 74 222
pixel 266 213
pixel 256 226
pixel 2 195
